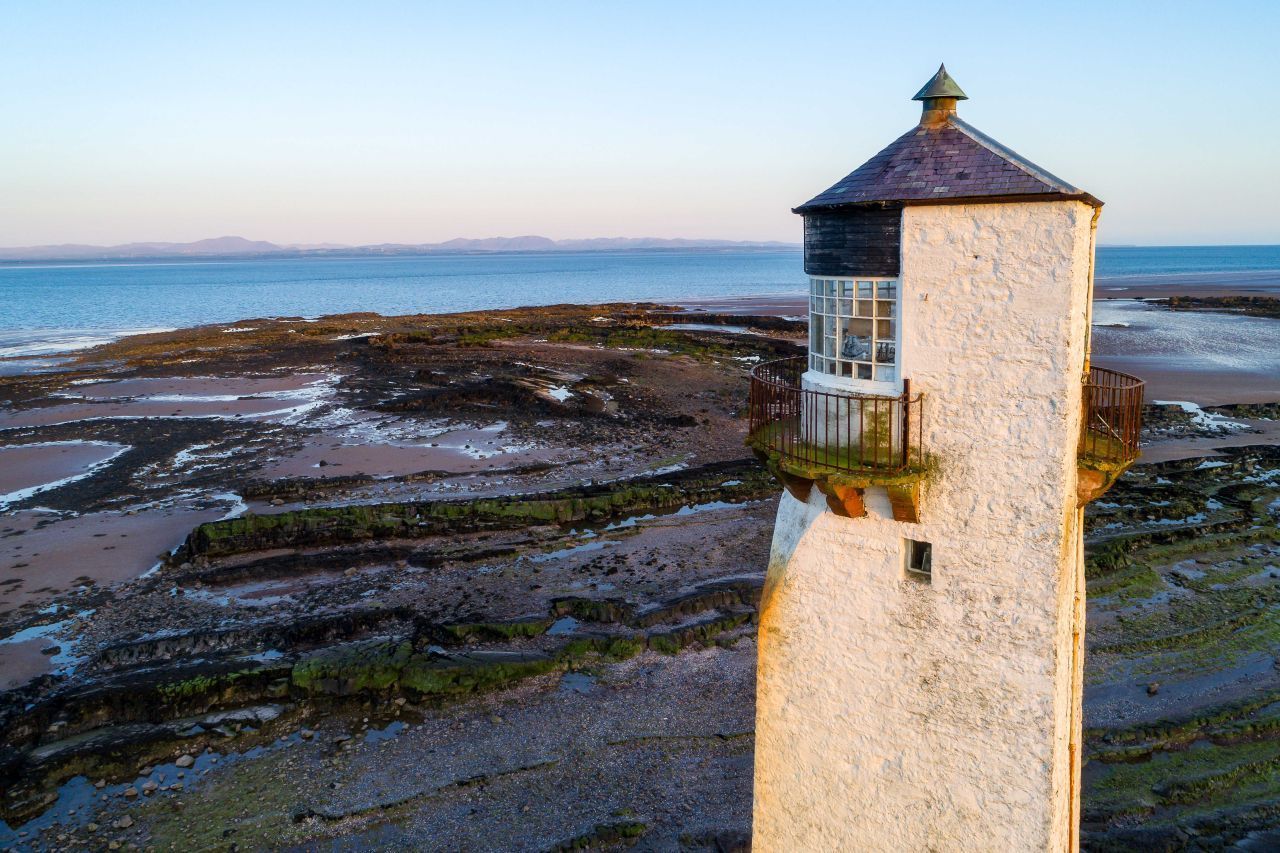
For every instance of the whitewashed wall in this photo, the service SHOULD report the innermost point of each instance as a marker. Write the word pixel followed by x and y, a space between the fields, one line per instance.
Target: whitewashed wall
pixel 894 715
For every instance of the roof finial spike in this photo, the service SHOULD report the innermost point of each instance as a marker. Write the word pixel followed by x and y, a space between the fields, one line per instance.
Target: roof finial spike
pixel 941 85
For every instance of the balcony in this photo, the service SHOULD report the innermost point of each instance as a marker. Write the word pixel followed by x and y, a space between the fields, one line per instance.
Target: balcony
pixel 840 442
pixel 1110 425
pixel 843 442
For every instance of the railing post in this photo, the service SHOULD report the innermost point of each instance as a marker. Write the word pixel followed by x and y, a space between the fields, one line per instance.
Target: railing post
pixel 905 432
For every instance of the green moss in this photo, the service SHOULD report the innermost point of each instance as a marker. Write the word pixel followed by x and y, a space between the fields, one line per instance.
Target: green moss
pixel 1206 776
pixel 431 676
pixel 624 832
pixel 606 610
pixel 664 643
pixel 354 668
pixel 1135 582
pixel 497 630
pixel 334 525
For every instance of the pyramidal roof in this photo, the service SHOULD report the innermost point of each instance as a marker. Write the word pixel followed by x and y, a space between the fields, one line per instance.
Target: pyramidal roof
pixel 945 160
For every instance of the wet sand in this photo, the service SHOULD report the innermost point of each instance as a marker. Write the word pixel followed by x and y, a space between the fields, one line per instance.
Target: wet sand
pixel 1165 450
pixel 1209 357
pixel 199 386
pixel 459 452
pixel 22 661
pixel 24 467
pixel 1251 283
pixel 1206 387
pixel 250 407
pixel 43 554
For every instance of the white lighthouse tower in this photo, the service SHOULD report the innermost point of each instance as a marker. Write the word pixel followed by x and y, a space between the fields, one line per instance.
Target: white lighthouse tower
pixel 921 630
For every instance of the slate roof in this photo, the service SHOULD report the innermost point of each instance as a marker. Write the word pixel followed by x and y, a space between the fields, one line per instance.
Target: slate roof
pixel 943 163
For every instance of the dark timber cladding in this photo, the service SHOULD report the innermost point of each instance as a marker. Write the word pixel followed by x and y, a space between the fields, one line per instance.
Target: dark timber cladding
pixel 853 242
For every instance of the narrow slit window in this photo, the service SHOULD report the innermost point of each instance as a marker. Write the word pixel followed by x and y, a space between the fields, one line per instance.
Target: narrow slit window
pixel 919 561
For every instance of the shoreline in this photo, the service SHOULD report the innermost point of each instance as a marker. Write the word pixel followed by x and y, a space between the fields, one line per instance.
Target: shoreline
pixel 39 346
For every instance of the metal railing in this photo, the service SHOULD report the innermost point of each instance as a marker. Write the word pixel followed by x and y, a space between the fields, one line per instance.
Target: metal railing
pixel 1112 418
pixel 844 432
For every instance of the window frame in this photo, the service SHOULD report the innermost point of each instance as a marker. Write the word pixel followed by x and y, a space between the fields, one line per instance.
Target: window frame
pixel 826 331
pixel 912 548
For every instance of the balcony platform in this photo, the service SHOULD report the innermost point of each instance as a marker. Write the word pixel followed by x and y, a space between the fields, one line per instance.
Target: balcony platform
pixel 843 443
pixel 1110 426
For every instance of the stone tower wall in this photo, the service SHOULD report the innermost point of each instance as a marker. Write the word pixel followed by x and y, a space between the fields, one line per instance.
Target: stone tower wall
pixel 898 715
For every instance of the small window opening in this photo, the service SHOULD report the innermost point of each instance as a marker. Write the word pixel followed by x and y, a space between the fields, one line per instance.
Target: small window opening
pixel 919 561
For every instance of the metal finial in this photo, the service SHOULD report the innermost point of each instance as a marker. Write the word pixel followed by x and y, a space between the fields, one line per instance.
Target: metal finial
pixel 941 85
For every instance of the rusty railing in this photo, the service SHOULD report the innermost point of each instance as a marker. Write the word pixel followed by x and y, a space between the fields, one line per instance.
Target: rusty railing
pixel 844 432
pixel 1112 416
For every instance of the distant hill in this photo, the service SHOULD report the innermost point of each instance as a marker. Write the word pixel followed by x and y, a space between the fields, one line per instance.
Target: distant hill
pixel 239 247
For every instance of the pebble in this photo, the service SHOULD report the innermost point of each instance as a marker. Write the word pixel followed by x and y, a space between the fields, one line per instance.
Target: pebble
pixel 101 783
pixel 185 761
pixel 1153 688
pixel 307 734
pixel 277 502
pixel 123 823
pixel 131 792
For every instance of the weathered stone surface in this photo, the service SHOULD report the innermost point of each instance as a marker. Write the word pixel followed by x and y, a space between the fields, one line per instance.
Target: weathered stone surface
pixel 944 712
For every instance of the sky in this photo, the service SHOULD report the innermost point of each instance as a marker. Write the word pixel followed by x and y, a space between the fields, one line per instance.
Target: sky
pixel 419 122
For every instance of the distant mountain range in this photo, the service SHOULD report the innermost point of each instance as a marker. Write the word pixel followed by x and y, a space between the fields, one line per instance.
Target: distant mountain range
pixel 239 247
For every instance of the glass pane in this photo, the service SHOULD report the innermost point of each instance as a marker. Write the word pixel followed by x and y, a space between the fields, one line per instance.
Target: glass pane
pixel 865 289
pixel 884 329
pixel 829 326
pixel 846 307
pixel 885 352
pixel 886 373
pixel 859 327
pixel 885 309
pixel 846 288
pixel 856 348
pixel 887 290
pixel 864 371
pixel 846 368
pixel 864 307
pixel 815 334
pixel 831 287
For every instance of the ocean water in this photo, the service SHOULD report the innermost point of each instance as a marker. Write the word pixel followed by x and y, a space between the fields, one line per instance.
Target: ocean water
pixel 47 309
pixel 51 308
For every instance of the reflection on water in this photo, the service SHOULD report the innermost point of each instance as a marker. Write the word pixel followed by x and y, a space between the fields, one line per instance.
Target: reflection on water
pixel 1186 340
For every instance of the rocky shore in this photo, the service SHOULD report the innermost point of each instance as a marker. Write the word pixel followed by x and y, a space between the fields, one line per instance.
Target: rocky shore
pixel 488 581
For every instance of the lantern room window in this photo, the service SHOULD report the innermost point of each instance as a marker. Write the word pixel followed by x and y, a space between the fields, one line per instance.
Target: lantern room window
pixel 853 328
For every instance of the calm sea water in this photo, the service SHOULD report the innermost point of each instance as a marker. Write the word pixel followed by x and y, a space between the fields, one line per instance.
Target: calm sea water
pixel 51 308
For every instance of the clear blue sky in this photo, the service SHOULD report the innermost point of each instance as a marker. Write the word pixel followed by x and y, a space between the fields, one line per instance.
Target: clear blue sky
pixel 424 121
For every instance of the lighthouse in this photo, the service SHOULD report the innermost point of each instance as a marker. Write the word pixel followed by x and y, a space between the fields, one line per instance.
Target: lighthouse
pixel 921 629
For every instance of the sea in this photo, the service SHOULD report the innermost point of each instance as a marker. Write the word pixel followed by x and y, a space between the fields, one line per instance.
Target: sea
pixel 48 309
